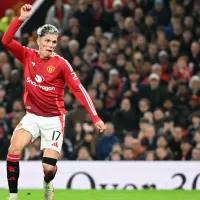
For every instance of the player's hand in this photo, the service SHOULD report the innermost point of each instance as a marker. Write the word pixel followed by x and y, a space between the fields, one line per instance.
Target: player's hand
pixel 100 126
pixel 25 12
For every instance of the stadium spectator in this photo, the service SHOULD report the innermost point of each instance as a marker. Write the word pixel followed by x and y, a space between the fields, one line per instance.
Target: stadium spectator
pixel 61 13
pixel 160 13
pixel 186 148
pixel 124 119
pixel 158 118
pixel 149 139
pixel 194 126
pixel 150 156
pixel 194 85
pixel 196 154
pixel 75 31
pixel 138 150
pixel 85 16
pixel 83 154
pixel 116 153
pixel 149 116
pixel 175 143
pixel 32 153
pixel 128 154
pixel 117 148
pixel 102 17
pixel 115 156
pixel 197 138
pixel 105 143
pixel 128 141
pixel 6 20
pixel 167 129
pixel 195 52
pixel 154 92
pixel 4 144
pixel 162 154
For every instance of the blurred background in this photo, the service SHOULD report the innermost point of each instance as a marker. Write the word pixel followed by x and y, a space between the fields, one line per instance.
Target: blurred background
pixel 140 63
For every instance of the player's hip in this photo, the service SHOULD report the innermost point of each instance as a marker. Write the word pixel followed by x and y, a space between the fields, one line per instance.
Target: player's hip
pixel 36 124
pixel 44 108
pixel 50 129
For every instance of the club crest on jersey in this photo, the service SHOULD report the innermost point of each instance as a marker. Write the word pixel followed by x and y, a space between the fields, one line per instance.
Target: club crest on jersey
pixel 19 125
pixel 50 69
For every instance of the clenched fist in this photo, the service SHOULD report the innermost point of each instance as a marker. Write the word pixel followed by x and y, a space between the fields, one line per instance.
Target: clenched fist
pixel 100 126
pixel 25 12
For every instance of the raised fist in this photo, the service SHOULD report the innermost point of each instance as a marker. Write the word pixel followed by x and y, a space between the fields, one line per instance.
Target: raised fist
pixel 25 12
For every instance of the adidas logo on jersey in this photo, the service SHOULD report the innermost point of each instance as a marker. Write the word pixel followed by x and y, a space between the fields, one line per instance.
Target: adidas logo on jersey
pixel 55 144
pixel 33 63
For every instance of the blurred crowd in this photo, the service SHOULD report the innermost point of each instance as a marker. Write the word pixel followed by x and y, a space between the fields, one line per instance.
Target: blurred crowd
pixel 140 63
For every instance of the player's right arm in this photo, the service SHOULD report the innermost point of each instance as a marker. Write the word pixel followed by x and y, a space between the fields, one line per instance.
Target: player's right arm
pixel 8 39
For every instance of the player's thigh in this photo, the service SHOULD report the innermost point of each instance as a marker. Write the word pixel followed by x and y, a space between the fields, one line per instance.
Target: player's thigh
pixel 52 132
pixel 27 126
pixel 20 139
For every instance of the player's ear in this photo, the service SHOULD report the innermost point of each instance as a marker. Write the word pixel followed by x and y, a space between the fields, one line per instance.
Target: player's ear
pixel 38 41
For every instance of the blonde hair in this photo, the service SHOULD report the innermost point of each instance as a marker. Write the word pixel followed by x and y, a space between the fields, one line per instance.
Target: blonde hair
pixel 47 29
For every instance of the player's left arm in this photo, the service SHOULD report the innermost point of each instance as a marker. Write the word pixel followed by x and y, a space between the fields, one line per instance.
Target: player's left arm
pixel 81 94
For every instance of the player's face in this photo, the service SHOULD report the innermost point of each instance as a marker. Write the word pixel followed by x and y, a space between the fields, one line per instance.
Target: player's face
pixel 47 45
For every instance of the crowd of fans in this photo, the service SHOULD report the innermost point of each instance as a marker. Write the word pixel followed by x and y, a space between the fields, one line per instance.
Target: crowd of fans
pixel 140 63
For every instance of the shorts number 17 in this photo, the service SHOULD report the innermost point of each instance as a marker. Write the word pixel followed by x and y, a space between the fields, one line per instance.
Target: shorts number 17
pixel 56 135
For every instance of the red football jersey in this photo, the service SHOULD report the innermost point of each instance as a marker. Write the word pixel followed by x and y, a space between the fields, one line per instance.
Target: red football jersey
pixel 45 79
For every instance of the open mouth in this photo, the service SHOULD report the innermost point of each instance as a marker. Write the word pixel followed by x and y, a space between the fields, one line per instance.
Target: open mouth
pixel 50 51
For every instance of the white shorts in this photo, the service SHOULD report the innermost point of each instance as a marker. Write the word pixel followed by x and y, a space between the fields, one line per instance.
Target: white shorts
pixel 50 129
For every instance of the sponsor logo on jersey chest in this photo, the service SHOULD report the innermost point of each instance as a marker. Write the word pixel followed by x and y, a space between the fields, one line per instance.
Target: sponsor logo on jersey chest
pixel 39 79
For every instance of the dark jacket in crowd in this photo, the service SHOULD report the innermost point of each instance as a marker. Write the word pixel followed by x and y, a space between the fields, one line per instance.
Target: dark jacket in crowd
pixel 104 146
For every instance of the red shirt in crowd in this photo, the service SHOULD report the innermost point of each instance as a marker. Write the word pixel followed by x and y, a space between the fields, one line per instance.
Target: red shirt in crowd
pixel 107 4
pixel 185 74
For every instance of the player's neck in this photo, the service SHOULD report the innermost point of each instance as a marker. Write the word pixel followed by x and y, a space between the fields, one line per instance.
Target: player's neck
pixel 44 57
